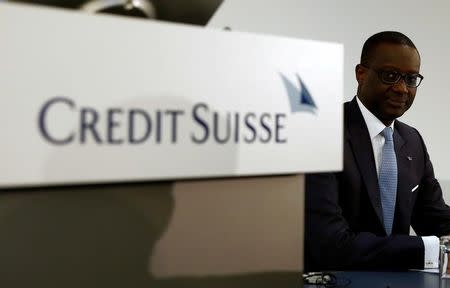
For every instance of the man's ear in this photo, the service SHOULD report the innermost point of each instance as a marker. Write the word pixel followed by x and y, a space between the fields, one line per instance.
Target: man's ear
pixel 360 73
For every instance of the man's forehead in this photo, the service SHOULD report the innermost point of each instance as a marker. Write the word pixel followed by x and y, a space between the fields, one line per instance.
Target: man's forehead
pixel 395 54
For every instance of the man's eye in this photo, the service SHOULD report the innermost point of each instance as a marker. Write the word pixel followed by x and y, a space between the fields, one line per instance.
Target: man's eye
pixel 391 75
pixel 411 79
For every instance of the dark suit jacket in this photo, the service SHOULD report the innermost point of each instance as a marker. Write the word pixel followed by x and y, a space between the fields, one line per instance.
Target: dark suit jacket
pixel 343 221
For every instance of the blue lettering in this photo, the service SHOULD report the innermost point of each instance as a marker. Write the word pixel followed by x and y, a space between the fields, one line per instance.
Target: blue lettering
pixel 201 122
pixel 158 126
pixel 251 127
pixel 113 124
pixel 266 128
pixel 42 123
pixel 216 128
pixel 236 128
pixel 174 114
pixel 278 127
pixel 131 124
pixel 87 124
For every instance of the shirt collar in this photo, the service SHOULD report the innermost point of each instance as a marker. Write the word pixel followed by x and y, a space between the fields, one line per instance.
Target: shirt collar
pixel 374 125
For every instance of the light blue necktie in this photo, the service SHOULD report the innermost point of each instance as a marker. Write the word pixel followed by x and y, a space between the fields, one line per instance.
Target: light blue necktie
pixel 388 180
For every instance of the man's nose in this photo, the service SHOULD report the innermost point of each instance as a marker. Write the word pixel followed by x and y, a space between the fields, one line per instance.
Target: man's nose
pixel 400 86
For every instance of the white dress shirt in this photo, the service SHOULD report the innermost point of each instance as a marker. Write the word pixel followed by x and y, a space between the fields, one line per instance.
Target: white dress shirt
pixel 375 127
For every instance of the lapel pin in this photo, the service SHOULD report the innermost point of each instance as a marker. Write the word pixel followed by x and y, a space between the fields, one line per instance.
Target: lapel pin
pixel 409 158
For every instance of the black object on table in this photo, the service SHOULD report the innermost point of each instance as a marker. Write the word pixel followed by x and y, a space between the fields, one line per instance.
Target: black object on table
pixel 381 279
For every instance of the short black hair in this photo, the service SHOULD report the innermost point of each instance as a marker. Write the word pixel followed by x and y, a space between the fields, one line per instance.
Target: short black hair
pixel 391 37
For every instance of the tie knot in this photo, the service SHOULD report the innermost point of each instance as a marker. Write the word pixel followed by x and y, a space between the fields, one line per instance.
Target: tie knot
pixel 387 133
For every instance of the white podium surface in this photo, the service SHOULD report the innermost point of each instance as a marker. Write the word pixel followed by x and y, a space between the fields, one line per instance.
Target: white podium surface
pixel 103 99
pixel 94 99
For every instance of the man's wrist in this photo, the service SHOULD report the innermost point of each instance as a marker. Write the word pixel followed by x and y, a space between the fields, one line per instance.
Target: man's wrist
pixel 431 252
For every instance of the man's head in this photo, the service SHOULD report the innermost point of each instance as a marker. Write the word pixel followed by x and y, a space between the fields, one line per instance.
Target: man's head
pixel 388 75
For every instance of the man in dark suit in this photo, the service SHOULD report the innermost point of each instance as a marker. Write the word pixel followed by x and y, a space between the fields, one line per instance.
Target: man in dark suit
pixel 360 218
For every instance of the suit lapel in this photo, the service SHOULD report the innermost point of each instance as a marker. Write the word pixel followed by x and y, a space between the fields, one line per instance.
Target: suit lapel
pixel 362 148
pixel 402 209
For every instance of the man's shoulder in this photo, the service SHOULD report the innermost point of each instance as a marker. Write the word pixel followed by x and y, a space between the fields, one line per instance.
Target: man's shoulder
pixel 350 107
pixel 405 129
pixel 347 104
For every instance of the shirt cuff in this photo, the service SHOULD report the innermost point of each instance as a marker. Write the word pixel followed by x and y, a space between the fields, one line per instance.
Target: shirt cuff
pixel 431 257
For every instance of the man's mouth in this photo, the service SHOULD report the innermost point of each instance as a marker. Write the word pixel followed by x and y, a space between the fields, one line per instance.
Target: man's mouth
pixel 398 103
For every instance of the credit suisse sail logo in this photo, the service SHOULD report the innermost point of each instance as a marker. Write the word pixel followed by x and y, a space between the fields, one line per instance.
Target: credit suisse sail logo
pixel 118 126
pixel 299 98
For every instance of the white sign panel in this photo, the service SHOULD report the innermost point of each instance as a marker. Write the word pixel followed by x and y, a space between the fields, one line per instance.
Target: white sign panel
pixel 87 99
